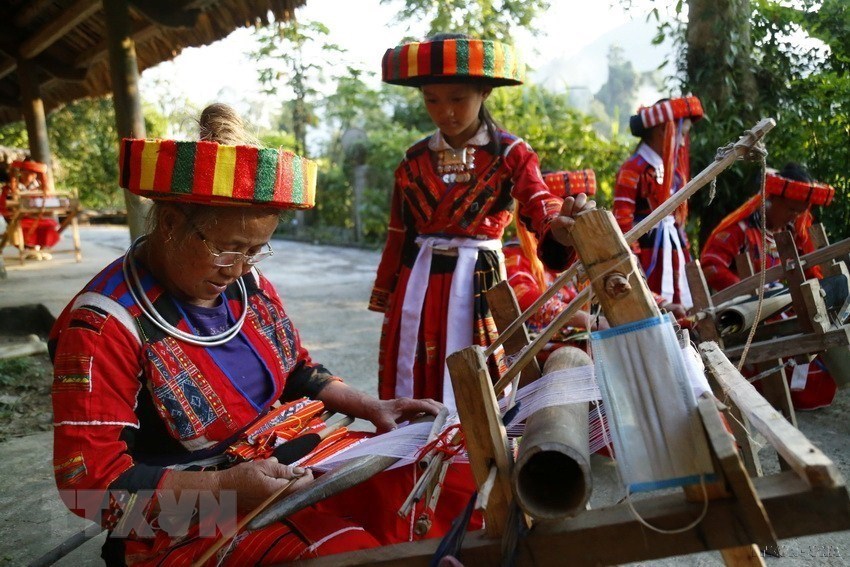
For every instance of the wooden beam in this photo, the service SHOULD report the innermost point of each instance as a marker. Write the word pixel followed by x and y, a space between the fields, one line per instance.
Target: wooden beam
pixel 793 273
pixel 746 287
pixel 32 107
pixel 139 32
pixel 8 67
pixel 701 296
pixel 804 458
pixel 167 13
pixel 60 70
pixel 505 310
pixel 483 432
pixel 29 13
pixel 744 265
pixel 61 24
pixel 126 98
pixel 611 535
pixel 793 345
pixel 723 445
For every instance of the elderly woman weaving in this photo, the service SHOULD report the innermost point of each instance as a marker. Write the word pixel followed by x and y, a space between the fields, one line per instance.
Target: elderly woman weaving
pixel 174 351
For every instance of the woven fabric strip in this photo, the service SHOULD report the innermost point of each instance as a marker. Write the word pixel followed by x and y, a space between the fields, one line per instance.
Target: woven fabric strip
pixel 669 110
pixel 211 173
pixel 566 183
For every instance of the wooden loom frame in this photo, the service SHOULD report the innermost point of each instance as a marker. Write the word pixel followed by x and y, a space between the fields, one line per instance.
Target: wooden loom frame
pixel 742 513
pixel 810 332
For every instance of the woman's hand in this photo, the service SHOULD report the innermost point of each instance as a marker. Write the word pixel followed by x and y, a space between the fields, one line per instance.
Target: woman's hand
pixel 562 225
pixel 387 414
pixel 255 481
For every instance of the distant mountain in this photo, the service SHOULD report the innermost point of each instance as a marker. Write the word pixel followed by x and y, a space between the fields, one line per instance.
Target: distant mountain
pixel 585 72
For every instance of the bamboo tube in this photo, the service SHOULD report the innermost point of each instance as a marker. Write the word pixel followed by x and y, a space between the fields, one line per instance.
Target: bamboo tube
pixel 741 316
pixel 551 479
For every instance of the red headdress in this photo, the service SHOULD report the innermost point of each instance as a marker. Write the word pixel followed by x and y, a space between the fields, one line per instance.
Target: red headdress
pixel 814 192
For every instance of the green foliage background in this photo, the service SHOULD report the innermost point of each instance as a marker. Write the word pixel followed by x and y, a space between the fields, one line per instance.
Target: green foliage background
pixel 743 58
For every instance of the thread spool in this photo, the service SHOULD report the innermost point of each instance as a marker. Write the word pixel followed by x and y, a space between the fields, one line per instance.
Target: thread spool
pixel 551 479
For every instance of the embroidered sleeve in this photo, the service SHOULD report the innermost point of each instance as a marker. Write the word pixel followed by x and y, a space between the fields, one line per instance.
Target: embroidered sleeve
pixel 625 196
pixel 390 264
pixel 718 257
pixel 96 383
pixel 537 206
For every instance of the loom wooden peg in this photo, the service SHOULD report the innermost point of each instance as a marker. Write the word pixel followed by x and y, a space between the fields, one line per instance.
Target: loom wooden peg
pixel 612 268
pixel 617 285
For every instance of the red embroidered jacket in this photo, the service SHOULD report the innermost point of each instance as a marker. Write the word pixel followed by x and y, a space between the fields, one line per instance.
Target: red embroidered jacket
pixel 721 248
pixel 129 400
pixel 636 184
pixel 423 204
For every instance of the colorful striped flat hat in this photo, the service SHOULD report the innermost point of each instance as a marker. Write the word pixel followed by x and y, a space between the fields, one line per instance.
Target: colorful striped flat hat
pixel 565 183
pixel 448 60
pixel 665 110
pixel 29 165
pixel 210 173
pixel 813 192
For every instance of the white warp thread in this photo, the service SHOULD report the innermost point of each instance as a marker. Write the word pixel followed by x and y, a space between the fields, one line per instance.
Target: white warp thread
pixel 570 386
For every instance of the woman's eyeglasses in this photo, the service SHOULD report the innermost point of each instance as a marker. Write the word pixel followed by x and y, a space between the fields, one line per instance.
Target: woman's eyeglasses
pixel 226 258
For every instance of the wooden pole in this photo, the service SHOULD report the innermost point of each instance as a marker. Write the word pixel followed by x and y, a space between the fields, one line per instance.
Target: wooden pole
pixel 485 436
pixel 34 117
pixel 124 73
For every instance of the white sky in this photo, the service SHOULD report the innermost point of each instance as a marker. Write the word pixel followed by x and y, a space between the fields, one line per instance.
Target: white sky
pixel 224 72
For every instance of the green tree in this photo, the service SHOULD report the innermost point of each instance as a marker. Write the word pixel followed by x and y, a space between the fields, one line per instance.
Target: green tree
pixel 619 93
pixel 491 19
pixel 288 70
pixel 563 138
pixel 748 59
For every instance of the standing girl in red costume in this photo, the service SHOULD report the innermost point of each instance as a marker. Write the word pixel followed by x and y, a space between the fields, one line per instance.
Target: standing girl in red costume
pixel 659 167
pixel 453 197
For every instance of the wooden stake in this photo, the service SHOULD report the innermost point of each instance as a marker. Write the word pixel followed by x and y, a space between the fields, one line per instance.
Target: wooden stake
pixel 486 439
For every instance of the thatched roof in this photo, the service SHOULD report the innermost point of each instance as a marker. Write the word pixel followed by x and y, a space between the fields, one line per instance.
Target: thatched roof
pixel 66 40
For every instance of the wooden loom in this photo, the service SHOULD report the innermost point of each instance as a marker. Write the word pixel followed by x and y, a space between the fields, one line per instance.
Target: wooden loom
pixel 743 512
pixel 814 329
